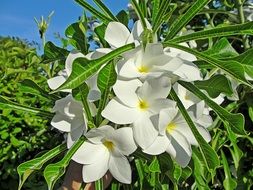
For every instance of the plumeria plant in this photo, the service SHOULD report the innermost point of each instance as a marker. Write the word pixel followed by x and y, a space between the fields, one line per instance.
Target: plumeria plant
pixel 153 103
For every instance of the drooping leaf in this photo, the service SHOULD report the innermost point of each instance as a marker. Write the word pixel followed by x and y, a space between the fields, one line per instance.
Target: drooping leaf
pixel 221 50
pixel 231 67
pixel 238 29
pixel 123 17
pixel 7 104
pixel 155 166
pixel 179 23
pixel 209 155
pixel 82 68
pixel 54 53
pixel 235 121
pixel 229 183
pixel 215 86
pixel 27 168
pixel 100 32
pixel 76 33
pixel 29 86
pixel 54 171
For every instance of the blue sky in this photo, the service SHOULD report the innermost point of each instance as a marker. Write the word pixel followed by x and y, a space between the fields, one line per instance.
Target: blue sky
pixel 17 16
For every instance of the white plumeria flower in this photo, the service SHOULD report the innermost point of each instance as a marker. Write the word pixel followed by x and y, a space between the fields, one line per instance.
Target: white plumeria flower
pixel 187 98
pixel 175 136
pixel 94 92
pixel 105 150
pixel 69 117
pixel 140 64
pixel 117 34
pixel 135 103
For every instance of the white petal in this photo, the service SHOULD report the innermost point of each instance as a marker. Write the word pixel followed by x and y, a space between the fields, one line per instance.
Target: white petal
pixel 97 134
pixel 138 29
pixel 89 153
pixel 61 122
pixel 158 146
pixel 188 72
pixel 186 131
pixel 126 91
pixel 155 88
pixel 120 169
pixel 95 171
pixel 99 52
pixel 180 150
pixel 157 105
pixel 56 82
pixel 129 70
pixel 165 117
pixel 144 132
pixel 70 59
pixel 75 134
pixel 204 133
pixel 118 113
pixel 94 92
pixel 124 141
pixel 171 65
pixel 116 34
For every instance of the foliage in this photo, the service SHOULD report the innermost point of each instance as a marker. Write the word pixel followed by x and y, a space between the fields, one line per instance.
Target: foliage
pixel 23 135
pixel 216 33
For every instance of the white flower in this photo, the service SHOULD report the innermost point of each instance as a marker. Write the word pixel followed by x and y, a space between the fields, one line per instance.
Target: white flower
pixel 69 117
pixel 105 150
pixel 187 98
pixel 135 103
pixel 140 63
pixel 175 136
pixel 94 92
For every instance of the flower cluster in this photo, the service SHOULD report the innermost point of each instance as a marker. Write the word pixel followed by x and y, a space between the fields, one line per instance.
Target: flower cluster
pixel 141 114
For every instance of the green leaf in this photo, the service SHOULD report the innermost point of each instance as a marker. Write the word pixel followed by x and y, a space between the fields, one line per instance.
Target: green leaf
pixel 105 9
pixel 179 23
pixel 221 50
pixel 100 32
pixel 7 104
pixel 29 86
pixel 246 60
pixel 123 17
pixel 209 155
pixel 27 168
pixel 140 171
pixel 76 33
pixel 93 11
pixel 54 171
pixel 106 79
pixel 155 166
pixel 139 13
pixel 215 85
pixel 250 111
pixel 82 68
pixel 235 121
pixel 229 183
pixel 238 29
pixel 233 68
pixel 155 9
pixel 54 53
pixel 199 171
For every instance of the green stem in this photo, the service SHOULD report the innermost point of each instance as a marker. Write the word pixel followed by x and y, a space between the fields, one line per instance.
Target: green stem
pixel 241 17
pixel 99 184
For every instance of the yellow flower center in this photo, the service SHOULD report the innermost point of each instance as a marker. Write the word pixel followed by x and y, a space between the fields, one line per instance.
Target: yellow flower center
pixel 109 145
pixel 143 69
pixel 143 105
pixel 170 127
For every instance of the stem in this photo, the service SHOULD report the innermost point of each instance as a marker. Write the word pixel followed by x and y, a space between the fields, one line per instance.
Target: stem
pixel 99 185
pixel 241 17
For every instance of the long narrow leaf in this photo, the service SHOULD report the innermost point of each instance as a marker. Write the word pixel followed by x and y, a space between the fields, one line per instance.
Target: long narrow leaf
pixel 209 155
pixel 82 68
pixel 233 68
pixel 27 168
pixel 7 104
pixel 178 24
pixel 235 121
pixel 54 171
pixel 93 11
pixel 139 13
pixel 104 8
pixel 238 29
